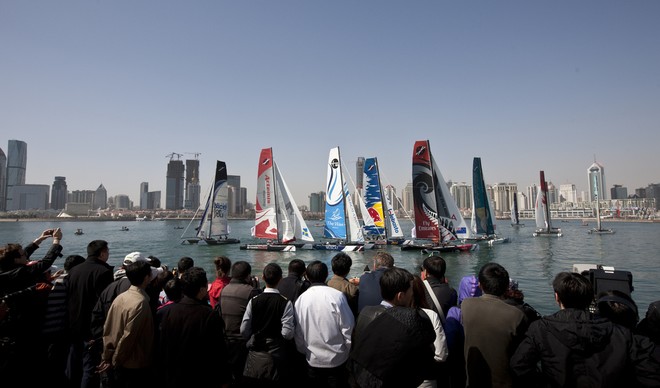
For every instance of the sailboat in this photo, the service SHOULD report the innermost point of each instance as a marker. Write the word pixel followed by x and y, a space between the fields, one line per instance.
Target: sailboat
pixel 437 217
pixel 384 226
pixel 598 229
pixel 482 223
pixel 515 217
pixel 213 228
pixel 277 217
pixel 543 221
pixel 341 229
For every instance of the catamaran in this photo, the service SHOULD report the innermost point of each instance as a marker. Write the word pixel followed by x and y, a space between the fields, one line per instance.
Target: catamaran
pixel 598 229
pixel 482 225
pixel 213 228
pixel 383 226
pixel 277 217
pixel 341 229
pixel 543 221
pixel 515 217
pixel 437 217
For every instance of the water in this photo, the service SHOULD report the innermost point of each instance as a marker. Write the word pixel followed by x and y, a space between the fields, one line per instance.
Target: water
pixel 532 261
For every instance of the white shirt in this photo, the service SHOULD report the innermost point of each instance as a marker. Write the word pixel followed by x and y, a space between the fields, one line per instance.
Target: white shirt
pixel 440 343
pixel 287 318
pixel 324 324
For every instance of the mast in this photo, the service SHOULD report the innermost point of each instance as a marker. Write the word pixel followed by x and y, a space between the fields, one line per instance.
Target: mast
pixel 275 186
pixel 544 188
pixel 598 227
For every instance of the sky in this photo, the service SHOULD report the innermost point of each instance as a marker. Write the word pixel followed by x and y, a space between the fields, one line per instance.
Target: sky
pixel 103 91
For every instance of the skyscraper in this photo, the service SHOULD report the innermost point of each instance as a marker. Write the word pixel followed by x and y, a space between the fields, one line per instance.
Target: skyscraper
pixel 175 184
pixel 144 195
pixel 596 176
pixel 359 174
pixel 3 180
pixel 100 198
pixel 58 193
pixel 16 166
pixel 192 184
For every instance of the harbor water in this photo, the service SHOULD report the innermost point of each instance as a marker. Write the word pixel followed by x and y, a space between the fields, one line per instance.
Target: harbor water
pixel 532 261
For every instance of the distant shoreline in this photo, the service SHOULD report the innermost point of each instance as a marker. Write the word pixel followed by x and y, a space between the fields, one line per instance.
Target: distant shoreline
pixel 73 219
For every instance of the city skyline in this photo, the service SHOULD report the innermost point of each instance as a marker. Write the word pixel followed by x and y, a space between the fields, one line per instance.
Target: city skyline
pixel 104 91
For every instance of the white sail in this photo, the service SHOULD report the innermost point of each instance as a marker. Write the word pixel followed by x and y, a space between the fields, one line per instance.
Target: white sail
pixel 291 222
pixel 447 207
pixel 539 208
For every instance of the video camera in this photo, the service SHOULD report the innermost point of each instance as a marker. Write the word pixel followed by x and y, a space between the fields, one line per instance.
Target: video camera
pixel 606 278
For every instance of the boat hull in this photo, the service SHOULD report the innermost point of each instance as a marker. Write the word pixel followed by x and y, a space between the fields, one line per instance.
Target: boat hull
pixel 600 231
pixel 545 232
pixel 342 247
pixel 427 248
pixel 275 247
pixel 210 241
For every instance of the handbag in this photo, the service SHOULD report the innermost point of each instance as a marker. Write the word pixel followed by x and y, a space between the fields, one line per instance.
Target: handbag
pixel 260 365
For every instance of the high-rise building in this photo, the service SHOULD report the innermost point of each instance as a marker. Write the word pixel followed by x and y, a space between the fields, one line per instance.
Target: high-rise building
pixel 532 192
pixel 100 198
pixel 390 194
pixel 502 196
pixel 596 176
pixel 462 194
pixel 153 200
pixel 175 185
pixel 81 196
pixel 407 197
pixel 58 193
pixel 3 180
pixel 359 174
pixel 29 197
pixel 122 201
pixel 568 193
pixel 16 166
pixel 236 202
pixel 619 192
pixel 653 191
pixel 193 190
pixel 317 202
pixel 144 195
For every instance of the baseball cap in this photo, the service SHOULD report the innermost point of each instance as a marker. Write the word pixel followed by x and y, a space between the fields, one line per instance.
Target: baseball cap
pixel 134 257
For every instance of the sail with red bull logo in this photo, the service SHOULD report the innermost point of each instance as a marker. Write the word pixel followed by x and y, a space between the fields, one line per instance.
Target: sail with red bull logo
pixel 385 224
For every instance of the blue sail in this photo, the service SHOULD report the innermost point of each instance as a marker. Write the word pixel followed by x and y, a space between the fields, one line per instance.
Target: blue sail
pixel 335 219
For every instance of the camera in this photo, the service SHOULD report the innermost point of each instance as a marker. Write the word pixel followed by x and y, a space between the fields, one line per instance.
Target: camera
pixel 605 278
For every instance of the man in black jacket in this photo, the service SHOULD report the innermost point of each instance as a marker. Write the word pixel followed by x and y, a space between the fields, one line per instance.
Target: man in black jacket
pixel 577 350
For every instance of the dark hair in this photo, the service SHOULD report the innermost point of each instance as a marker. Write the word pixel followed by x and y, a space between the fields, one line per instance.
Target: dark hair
pixel 435 266
pixel 96 247
pixel 241 270
pixel 419 295
pixel 393 281
pixel 7 255
pixel 192 281
pixel 493 279
pixel 573 290
pixel 222 263
pixel 173 289
pixel 154 261
pixel 184 264
pixel 71 261
pixel 136 272
pixel 341 264
pixel 272 274
pixel 383 259
pixel 618 307
pixel 296 266
pixel 163 277
pixel 317 271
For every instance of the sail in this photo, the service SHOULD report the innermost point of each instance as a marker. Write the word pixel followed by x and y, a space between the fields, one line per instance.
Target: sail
pixel 341 220
pixel 266 207
pixel 542 211
pixel 482 214
pixel 373 199
pixel 437 216
pixel 291 222
pixel 214 220
pixel 379 207
pixel 335 215
pixel 514 210
pixel 598 224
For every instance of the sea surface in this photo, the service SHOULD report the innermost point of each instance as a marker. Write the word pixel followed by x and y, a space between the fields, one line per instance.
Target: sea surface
pixel 532 261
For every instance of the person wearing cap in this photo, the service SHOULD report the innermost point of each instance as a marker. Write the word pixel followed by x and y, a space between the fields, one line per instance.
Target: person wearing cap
pixel 25 307
pixel 128 332
pixel 592 351
pixel 85 283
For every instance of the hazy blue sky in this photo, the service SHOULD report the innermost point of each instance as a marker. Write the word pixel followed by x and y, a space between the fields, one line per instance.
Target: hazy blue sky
pixel 103 90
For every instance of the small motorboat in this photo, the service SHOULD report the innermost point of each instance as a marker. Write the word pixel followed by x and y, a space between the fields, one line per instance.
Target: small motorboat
pixel 78 232
pixel 124 228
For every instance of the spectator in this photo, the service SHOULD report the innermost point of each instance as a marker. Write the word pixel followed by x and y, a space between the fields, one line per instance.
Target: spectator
pixel 84 285
pixel 341 267
pixel 369 289
pixel 493 329
pixel 575 350
pixel 295 283
pixel 433 274
pixel 324 323
pixel 222 266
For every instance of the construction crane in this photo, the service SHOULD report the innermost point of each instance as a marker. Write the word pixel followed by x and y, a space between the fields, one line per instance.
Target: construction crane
pixel 195 153
pixel 171 156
